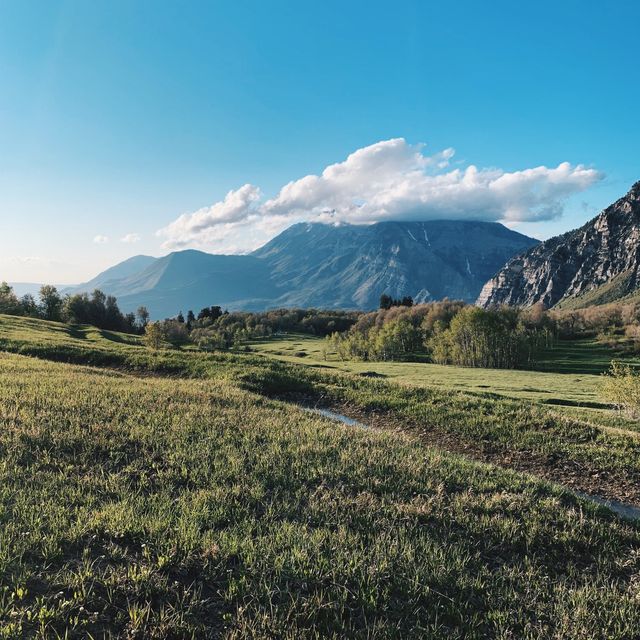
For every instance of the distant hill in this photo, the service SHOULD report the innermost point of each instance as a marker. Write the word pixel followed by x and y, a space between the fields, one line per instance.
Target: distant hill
pixel 22 288
pixel 594 264
pixel 115 274
pixel 320 265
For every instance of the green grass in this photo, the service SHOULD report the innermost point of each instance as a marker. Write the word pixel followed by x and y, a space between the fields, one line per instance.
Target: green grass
pixel 567 379
pixel 617 289
pixel 168 495
pixel 568 373
pixel 163 508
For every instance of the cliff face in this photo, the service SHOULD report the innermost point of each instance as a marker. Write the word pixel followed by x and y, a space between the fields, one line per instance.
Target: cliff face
pixel 575 262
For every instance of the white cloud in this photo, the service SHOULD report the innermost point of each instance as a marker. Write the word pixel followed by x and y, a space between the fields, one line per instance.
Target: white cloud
pixel 389 180
pixel 130 238
pixel 100 239
pixel 237 207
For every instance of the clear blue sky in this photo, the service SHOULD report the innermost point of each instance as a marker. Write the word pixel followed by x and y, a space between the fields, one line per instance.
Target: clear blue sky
pixel 116 117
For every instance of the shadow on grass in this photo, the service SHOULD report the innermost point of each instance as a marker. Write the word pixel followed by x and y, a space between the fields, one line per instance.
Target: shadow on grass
pixel 78 332
pixel 116 337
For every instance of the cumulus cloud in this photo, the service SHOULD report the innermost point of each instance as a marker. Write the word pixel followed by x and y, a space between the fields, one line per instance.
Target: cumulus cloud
pixel 389 180
pixel 237 207
pixel 99 239
pixel 130 238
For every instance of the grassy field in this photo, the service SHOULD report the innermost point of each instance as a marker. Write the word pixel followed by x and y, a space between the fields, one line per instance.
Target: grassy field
pixel 569 373
pixel 567 378
pixel 172 497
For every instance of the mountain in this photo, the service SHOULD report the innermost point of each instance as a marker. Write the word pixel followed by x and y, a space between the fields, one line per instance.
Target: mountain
pixel 24 288
pixel 597 262
pixel 113 275
pixel 349 266
pixel 320 265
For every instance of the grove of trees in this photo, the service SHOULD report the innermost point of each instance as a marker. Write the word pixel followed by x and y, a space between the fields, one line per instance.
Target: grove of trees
pixel 97 309
pixel 448 332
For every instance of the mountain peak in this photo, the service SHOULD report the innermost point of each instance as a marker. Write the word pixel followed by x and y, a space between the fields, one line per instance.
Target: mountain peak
pixel 634 192
pixel 314 264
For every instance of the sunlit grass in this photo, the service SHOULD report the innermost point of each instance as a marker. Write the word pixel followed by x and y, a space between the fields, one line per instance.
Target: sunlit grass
pixel 152 507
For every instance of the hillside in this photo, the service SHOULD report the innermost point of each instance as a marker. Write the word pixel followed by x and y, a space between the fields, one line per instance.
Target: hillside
pixel 596 263
pixel 318 265
pixel 200 506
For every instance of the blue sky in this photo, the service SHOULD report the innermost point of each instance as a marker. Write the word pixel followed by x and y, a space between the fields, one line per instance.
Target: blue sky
pixel 118 117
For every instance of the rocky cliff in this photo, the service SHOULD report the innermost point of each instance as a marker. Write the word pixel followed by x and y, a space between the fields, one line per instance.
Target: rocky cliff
pixel 574 263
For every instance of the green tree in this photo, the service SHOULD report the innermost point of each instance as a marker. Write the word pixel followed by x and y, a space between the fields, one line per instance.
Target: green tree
pixel 8 301
pixel 154 335
pixel 29 305
pixel 621 387
pixel 385 301
pixel 142 314
pixel 50 303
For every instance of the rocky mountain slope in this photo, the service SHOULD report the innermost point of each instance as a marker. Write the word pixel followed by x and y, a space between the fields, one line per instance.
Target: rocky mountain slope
pixel 319 265
pixel 603 251
pixel 349 266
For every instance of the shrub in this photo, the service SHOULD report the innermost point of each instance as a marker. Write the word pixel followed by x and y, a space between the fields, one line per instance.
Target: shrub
pixel 154 335
pixel 621 387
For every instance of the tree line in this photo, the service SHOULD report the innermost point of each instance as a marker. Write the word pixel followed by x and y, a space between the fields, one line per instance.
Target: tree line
pixel 97 309
pixel 214 328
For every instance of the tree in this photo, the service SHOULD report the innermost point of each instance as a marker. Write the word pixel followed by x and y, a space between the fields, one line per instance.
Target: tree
pixel 180 318
pixel 396 340
pixel 130 322
pixel 113 319
pixel 29 305
pixel 175 332
pixel 154 335
pixel 50 302
pixel 8 301
pixel 76 309
pixel 386 301
pixel 143 317
pixel 621 387
pixel 98 309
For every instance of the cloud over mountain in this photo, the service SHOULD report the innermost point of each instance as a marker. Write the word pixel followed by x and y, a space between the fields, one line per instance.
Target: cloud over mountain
pixel 388 180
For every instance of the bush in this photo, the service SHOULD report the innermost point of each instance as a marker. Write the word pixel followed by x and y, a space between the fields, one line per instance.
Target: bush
pixel 621 387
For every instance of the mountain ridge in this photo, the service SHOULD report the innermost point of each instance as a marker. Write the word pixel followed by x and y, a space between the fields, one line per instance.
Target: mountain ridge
pixel 575 263
pixel 324 265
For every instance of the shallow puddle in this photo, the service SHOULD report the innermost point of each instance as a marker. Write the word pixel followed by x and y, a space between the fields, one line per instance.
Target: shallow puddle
pixel 627 511
pixel 338 417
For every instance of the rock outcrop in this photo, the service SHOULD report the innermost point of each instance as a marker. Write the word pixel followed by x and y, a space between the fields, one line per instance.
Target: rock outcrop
pixel 574 263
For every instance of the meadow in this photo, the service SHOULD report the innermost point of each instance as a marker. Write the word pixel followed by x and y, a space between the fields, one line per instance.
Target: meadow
pixel 176 494
pixel 572 387
pixel 567 378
